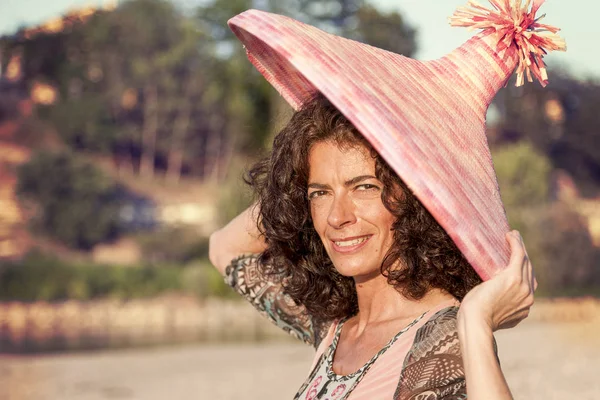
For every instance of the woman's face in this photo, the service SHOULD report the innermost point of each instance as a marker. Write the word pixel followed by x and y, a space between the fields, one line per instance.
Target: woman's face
pixel 346 208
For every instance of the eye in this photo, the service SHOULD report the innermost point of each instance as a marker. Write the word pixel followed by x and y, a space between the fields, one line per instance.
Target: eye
pixel 367 186
pixel 366 191
pixel 316 193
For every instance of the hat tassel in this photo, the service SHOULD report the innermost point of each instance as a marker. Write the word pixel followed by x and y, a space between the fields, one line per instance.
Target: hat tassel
pixel 515 24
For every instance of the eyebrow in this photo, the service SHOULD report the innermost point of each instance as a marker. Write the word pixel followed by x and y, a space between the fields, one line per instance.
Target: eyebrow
pixel 350 182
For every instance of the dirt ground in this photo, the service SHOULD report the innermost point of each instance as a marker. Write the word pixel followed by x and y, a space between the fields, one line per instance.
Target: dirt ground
pixel 541 361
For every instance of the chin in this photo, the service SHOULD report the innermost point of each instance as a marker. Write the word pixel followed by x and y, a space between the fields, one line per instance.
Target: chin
pixel 355 269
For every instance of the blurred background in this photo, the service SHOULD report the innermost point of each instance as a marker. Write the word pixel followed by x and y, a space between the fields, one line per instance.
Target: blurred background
pixel 125 129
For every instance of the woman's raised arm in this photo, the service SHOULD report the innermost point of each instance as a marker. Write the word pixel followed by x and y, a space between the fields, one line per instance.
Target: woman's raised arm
pixel 233 251
pixel 239 237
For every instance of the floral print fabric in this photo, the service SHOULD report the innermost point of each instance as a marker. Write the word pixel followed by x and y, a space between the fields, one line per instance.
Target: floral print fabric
pixel 421 362
pixel 268 298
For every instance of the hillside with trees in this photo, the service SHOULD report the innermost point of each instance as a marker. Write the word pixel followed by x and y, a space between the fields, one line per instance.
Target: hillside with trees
pixel 127 132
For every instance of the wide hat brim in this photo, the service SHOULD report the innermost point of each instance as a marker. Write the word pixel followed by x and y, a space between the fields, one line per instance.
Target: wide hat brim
pixel 425 118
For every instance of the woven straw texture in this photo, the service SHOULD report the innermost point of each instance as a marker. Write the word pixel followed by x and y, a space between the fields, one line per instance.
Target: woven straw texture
pixel 425 118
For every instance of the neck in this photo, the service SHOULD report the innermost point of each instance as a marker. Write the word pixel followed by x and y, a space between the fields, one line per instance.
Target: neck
pixel 378 301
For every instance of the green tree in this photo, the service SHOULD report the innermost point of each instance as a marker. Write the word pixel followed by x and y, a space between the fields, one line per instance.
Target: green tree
pixel 75 202
pixel 250 103
pixel 336 16
pixel 523 175
pixel 560 247
pixel 247 101
pixel 153 88
pixel 561 121
pixel 386 31
pixel 132 84
pixel 164 60
pixel 557 238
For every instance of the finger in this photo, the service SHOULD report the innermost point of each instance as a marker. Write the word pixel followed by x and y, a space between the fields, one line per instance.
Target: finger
pixel 518 262
pixel 528 266
pixel 526 271
pixel 528 260
pixel 523 243
pixel 532 280
pixel 516 250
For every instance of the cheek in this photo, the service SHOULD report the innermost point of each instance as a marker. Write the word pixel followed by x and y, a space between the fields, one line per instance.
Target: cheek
pixel 319 216
pixel 385 221
pixel 389 221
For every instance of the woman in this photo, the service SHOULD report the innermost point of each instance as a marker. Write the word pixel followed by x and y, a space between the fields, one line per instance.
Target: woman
pixel 375 271
pixel 347 239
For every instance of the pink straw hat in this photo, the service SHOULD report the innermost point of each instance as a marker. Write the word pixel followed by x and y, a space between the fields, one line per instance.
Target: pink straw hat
pixel 425 118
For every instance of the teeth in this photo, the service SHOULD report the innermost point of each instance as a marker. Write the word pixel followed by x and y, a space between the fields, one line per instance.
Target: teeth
pixel 353 242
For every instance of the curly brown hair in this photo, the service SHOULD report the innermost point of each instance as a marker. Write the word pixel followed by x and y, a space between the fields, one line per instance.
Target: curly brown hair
pixel 295 255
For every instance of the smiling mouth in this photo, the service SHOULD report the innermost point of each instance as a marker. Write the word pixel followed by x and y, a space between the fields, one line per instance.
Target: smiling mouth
pixel 350 245
pixel 351 242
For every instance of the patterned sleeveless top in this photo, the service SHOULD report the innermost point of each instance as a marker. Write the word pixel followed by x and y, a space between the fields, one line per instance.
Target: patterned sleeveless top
pixel 324 383
pixel 421 362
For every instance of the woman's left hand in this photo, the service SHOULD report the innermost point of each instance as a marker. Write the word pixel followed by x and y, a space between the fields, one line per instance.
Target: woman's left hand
pixel 504 300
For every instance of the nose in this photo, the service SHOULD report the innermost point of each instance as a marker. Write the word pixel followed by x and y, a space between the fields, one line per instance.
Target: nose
pixel 341 212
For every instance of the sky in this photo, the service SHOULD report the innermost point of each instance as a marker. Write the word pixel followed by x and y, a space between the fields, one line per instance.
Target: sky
pixel 578 20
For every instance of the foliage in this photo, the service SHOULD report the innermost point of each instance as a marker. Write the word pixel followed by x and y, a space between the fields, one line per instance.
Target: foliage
pixel 172 245
pixel 77 203
pixel 39 277
pixel 560 248
pixel 245 99
pixel 204 281
pixel 158 89
pixel 234 195
pixel 561 121
pixel 249 101
pixel 523 175
pixel 165 93
pixel 42 278
pixel 133 84
pixel 386 31
pixel 557 238
pixel 331 15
